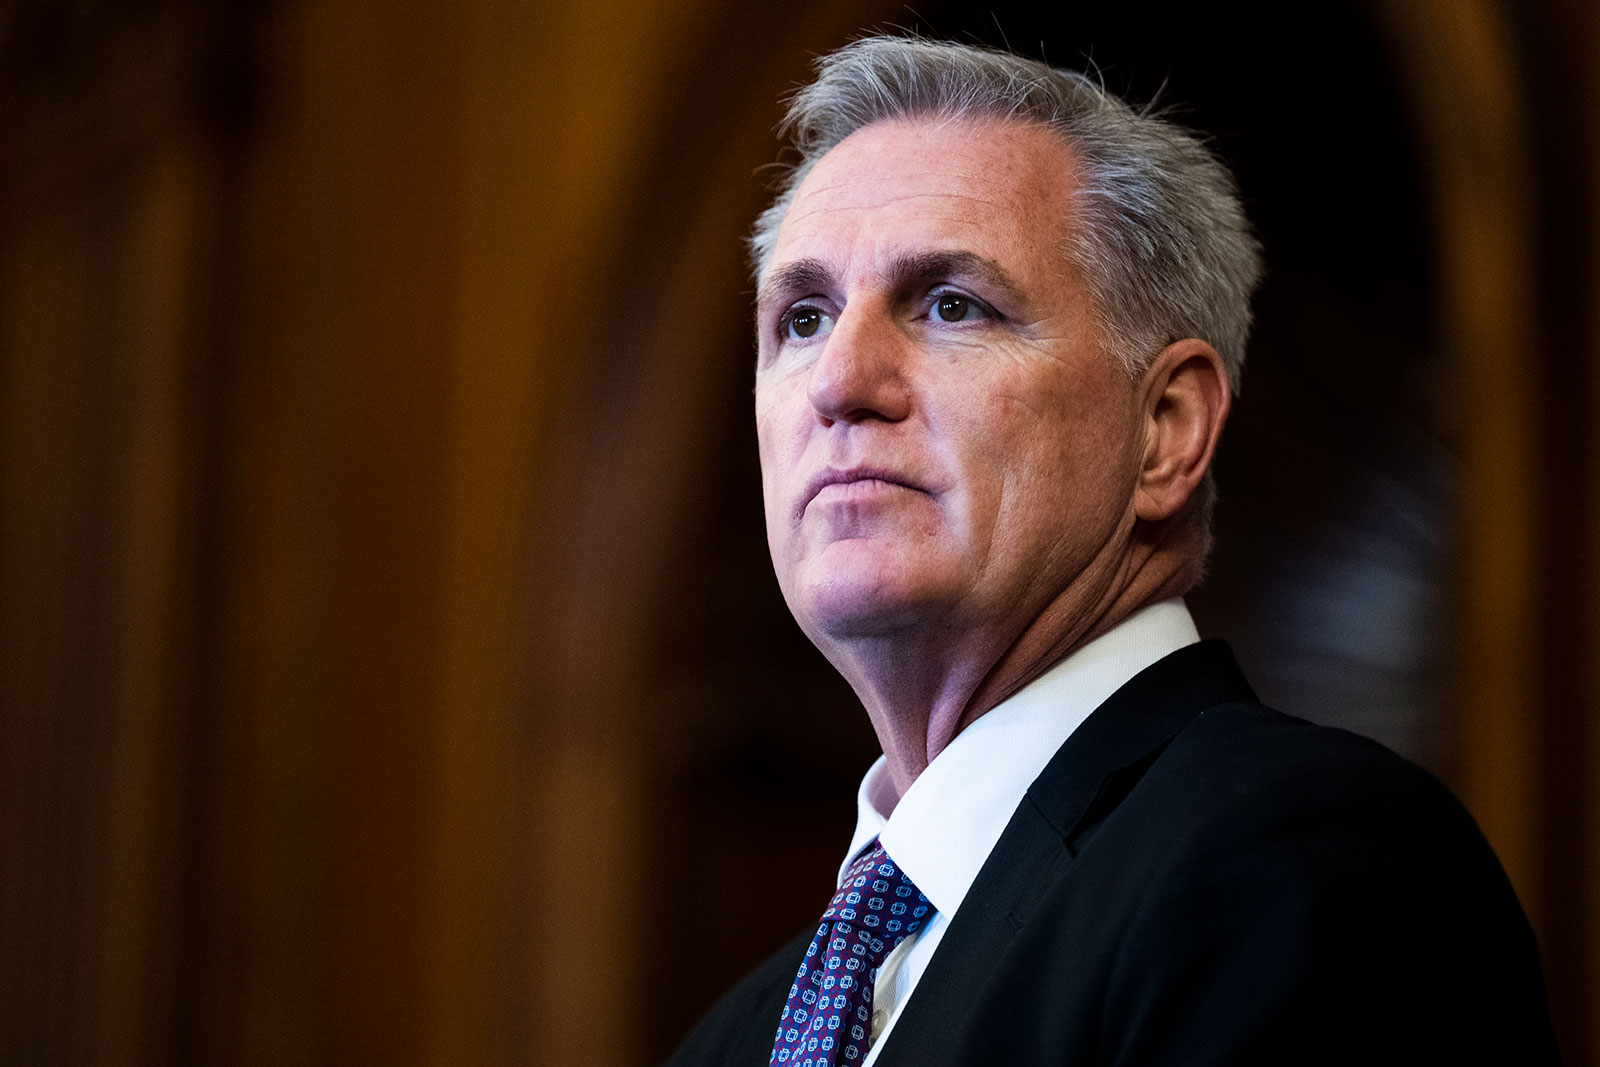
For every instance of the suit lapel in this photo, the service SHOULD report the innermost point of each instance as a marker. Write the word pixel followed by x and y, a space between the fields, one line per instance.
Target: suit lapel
pixel 1083 783
pixel 1090 774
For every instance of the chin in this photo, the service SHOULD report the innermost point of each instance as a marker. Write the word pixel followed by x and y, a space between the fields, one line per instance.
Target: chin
pixel 842 606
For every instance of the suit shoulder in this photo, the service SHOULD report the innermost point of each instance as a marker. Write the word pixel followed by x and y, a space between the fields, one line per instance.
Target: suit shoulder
pixel 1240 779
pixel 1244 752
pixel 1319 880
pixel 1288 815
pixel 1308 812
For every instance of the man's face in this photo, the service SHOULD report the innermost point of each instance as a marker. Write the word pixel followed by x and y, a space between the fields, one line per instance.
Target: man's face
pixel 942 439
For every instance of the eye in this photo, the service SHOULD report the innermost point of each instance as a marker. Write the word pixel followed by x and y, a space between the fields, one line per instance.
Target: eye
pixel 803 323
pixel 955 307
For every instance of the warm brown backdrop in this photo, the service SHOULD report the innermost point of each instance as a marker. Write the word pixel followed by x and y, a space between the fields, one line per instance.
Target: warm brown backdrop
pixel 386 646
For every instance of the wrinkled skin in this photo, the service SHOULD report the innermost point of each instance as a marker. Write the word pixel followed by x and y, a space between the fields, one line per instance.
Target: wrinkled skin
pixel 961 484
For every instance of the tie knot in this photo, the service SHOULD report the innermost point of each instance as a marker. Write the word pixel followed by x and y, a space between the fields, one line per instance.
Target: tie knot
pixel 877 906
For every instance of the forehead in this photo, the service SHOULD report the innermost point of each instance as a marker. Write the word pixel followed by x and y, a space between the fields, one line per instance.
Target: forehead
pixel 999 188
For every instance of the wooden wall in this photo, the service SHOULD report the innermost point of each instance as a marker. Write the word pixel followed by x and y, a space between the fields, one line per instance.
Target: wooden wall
pixel 361 367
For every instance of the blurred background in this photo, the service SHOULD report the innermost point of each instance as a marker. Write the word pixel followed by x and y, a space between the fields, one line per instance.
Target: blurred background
pixel 388 649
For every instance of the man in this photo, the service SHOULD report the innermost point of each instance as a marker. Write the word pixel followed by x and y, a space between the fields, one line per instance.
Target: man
pixel 1000 317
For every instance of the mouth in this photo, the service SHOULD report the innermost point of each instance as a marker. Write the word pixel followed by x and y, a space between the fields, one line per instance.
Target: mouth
pixel 862 476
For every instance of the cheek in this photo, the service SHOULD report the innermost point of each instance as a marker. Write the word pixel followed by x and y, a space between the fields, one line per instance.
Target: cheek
pixel 779 453
pixel 768 426
pixel 777 398
pixel 1060 456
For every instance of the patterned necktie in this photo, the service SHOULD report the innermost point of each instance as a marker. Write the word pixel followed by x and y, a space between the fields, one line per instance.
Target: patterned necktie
pixel 828 1019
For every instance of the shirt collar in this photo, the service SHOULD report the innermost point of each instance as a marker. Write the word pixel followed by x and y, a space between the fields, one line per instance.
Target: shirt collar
pixel 944 827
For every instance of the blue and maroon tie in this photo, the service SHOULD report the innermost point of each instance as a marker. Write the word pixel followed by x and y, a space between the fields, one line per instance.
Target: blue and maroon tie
pixel 828 1019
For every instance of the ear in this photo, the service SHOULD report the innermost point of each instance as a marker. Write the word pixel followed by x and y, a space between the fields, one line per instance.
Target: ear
pixel 1186 401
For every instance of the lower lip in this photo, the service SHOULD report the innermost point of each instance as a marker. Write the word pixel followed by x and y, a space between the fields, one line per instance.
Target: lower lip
pixel 861 489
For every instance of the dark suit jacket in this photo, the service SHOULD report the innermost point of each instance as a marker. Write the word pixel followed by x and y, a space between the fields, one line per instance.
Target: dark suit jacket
pixel 1196 879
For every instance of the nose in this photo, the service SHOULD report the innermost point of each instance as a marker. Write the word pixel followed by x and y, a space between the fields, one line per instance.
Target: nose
pixel 860 374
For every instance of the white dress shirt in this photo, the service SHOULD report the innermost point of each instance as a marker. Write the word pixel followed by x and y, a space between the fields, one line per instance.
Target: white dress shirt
pixel 943 829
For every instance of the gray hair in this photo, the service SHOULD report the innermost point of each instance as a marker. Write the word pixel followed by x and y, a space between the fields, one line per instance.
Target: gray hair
pixel 1159 234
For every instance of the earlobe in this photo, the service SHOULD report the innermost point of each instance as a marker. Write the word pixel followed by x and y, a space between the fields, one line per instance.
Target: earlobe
pixel 1186 401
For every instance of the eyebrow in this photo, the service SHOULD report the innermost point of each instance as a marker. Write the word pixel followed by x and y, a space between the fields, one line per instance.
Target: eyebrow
pixel 802 275
pixel 934 265
pixel 812 275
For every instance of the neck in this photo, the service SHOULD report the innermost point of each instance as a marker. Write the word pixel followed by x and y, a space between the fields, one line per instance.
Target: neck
pixel 923 685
